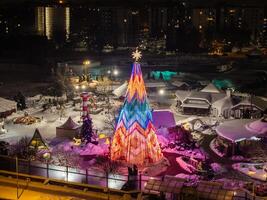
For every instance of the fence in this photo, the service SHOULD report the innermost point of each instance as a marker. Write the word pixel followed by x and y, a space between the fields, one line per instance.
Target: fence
pixel 88 176
pixel 97 177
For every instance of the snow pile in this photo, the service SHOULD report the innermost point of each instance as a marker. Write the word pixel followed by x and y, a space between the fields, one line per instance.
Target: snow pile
pixel 188 177
pixel 184 165
pixel 217 168
pixel 238 158
pixel 196 153
pixel 156 168
pixel 92 149
pixel 163 141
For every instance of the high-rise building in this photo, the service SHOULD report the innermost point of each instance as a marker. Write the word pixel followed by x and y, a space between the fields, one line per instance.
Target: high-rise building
pixel 203 18
pixel 53 22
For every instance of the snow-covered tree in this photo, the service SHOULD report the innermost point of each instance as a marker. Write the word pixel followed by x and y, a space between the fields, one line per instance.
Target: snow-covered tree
pixel 87 129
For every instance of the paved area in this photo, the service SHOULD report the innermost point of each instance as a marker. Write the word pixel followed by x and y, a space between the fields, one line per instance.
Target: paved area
pixel 40 191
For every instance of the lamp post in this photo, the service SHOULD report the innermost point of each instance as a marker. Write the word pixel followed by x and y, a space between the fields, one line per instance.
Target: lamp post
pixel 86 64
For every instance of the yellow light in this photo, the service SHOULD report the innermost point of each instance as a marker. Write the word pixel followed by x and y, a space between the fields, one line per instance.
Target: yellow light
pixel 101 136
pixel 136 55
pixel 61 2
pixel 86 62
pixel 77 87
pixel 83 86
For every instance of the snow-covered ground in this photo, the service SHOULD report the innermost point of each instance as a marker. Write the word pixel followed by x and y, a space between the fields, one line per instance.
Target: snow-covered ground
pixel 47 127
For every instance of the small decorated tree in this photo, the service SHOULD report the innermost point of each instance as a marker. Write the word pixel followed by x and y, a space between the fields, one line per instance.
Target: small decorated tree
pixel 87 129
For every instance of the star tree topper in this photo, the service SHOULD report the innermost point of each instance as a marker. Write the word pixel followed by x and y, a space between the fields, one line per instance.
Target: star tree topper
pixel 136 55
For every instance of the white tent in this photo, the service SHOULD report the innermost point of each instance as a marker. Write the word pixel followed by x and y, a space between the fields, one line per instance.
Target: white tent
pixel 68 130
pixel 7 107
pixel 121 90
pixel 211 89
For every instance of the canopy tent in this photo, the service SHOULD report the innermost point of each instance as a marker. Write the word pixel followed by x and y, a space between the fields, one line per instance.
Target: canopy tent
pixel 68 130
pixel 7 107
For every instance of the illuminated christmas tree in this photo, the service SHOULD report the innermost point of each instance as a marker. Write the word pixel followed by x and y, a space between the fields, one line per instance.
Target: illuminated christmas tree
pixel 135 140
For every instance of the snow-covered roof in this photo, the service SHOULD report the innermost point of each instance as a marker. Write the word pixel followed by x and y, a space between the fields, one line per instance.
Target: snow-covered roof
pixel 259 126
pixel 195 105
pixel 7 105
pixel 200 95
pixel 153 84
pixel 163 118
pixel 256 101
pixel 223 104
pixel 210 88
pixel 121 90
pixel 182 94
pixel 236 130
pixel 69 124
pixel 179 83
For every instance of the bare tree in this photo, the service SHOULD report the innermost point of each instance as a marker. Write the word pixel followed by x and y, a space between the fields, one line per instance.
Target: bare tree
pixel 65 158
pixel 21 149
pixel 110 120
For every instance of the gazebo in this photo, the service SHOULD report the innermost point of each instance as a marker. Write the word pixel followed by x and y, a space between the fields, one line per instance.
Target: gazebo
pixel 69 129
pixel 235 134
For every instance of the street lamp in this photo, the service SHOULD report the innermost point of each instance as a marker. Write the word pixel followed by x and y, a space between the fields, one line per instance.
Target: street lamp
pixel 115 72
pixel 86 63
pixel 161 92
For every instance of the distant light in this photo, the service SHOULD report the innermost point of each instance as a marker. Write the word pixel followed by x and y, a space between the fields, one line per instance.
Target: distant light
pixel 86 62
pixel 77 87
pixel 125 20
pixel 83 87
pixel 109 72
pixel 161 92
pixel 61 2
pixel 115 72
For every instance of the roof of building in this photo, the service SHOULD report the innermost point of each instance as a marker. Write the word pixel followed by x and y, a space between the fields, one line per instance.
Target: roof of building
pixel 223 104
pixel 179 83
pixel 163 118
pixel 7 105
pixel 256 101
pixel 69 124
pixel 259 126
pixel 211 88
pixel 121 90
pixel 200 95
pixel 236 130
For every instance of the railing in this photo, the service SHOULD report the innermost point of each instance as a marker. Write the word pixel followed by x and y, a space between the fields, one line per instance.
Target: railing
pixel 87 176
pixel 97 177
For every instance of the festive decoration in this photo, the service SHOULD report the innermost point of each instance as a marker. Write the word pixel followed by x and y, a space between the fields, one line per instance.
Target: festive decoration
pixel 136 55
pixel 135 140
pixel 37 141
pixel 87 129
pixel 84 97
